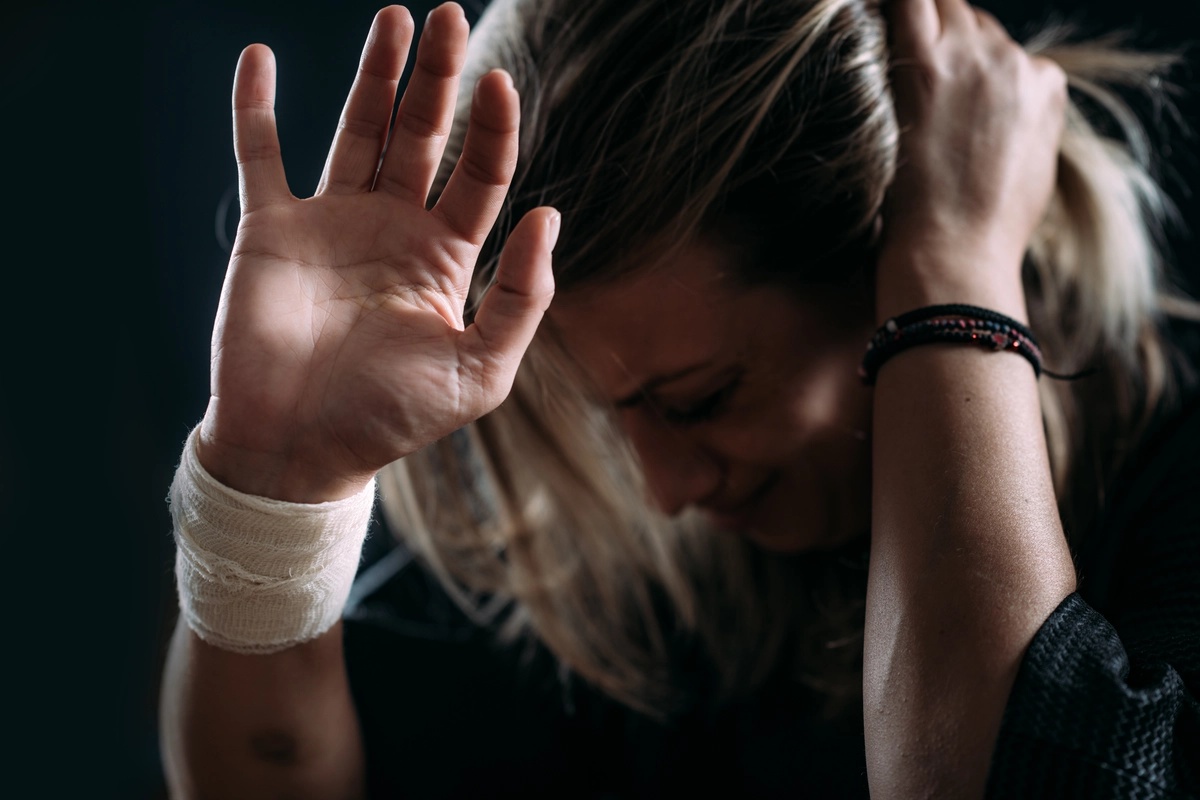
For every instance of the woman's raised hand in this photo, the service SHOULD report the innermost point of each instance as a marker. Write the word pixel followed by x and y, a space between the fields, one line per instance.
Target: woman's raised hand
pixel 339 343
pixel 981 121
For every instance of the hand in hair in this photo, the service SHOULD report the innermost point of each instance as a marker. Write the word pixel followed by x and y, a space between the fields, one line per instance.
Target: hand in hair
pixel 981 123
pixel 339 343
pixel 968 556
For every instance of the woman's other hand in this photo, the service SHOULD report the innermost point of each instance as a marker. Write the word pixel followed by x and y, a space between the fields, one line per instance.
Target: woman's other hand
pixel 968 557
pixel 981 121
pixel 339 343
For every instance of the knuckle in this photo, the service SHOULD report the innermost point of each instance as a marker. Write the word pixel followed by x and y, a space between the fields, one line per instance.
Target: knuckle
pixel 422 126
pixel 437 67
pixel 514 302
pixel 363 128
pixel 398 187
pixel 254 106
pixel 1010 56
pixel 372 75
pixel 487 171
pixel 930 60
pixel 496 122
pixel 987 20
pixel 1054 75
pixel 249 151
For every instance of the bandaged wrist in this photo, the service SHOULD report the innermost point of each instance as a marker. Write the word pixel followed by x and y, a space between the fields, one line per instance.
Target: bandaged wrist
pixel 257 575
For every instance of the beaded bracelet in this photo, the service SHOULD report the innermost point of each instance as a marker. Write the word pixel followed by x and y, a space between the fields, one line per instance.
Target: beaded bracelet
pixel 953 323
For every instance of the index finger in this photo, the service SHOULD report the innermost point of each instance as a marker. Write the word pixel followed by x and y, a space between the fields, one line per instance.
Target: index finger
pixel 261 180
pixel 914 26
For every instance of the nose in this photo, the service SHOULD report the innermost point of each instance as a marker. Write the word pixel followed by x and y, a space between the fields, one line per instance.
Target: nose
pixel 678 470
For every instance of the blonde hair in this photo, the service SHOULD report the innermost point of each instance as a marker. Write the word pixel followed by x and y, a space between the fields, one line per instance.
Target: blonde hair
pixel 646 125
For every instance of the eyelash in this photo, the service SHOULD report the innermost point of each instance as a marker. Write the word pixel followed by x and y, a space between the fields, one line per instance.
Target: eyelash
pixel 706 409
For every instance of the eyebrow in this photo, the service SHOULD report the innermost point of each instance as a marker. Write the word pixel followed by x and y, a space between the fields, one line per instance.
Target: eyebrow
pixel 638 395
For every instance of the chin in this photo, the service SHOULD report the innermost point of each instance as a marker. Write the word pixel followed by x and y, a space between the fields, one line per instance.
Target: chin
pixel 787 542
pixel 783 539
pixel 786 538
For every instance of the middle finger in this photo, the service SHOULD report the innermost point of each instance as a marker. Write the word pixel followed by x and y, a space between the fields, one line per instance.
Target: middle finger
pixel 362 130
pixel 426 111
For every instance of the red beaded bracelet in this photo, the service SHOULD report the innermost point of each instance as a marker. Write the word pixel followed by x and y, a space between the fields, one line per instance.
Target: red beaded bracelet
pixel 952 323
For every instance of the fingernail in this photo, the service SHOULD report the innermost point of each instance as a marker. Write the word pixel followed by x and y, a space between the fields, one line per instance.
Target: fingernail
pixel 553 226
pixel 455 6
pixel 508 81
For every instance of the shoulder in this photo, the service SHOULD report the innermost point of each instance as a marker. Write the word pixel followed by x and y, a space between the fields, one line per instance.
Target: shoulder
pixel 447 708
pixel 1143 552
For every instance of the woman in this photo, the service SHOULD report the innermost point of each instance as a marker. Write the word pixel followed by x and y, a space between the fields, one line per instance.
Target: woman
pixel 734 565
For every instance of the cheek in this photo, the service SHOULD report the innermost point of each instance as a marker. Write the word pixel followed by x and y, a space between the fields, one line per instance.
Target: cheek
pixel 809 391
pixel 833 402
pixel 802 399
pixel 818 406
pixel 777 433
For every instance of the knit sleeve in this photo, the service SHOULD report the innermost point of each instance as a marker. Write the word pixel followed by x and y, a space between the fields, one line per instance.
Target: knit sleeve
pixel 1105 705
pixel 1089 720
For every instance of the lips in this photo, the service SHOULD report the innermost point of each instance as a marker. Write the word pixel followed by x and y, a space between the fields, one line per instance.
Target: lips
pixel 739 513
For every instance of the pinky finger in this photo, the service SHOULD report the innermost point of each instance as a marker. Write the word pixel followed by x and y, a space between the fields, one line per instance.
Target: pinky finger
pixel 261 179
pixel 513 307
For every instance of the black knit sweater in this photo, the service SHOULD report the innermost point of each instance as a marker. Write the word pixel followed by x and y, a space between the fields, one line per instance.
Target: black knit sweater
pixel 1104 706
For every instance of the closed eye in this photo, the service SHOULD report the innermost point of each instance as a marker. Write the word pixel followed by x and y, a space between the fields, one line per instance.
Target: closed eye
pixel 704 409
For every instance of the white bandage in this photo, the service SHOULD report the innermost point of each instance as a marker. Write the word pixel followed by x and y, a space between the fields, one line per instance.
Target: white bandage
pixel 257 575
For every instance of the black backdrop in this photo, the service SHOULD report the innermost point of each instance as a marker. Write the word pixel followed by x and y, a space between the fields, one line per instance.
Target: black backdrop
pixel 117 164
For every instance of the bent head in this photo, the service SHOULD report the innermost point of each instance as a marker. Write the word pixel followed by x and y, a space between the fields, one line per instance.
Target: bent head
pixel 721 166
pixel 740 400
pixel 720 169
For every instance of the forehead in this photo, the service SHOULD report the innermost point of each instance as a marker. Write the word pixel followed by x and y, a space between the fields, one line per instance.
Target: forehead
pixel 655 321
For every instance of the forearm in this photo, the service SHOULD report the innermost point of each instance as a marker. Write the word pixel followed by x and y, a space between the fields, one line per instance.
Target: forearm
pixel 967 560
pixel 259 726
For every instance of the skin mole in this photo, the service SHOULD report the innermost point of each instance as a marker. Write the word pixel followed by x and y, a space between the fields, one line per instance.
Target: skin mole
pixel 275 747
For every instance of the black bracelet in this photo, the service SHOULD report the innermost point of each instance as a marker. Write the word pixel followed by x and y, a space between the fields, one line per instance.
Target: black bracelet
pixel 960 310
pixel 952 323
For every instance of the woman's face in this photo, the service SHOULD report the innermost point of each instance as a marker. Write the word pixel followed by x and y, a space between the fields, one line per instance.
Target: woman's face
pixel 743 401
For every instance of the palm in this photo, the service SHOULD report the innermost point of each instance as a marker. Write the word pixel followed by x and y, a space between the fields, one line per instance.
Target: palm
pixel 335 300
pixel 340 337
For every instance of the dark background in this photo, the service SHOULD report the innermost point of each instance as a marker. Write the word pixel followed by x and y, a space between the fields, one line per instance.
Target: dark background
pixel 117 167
